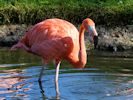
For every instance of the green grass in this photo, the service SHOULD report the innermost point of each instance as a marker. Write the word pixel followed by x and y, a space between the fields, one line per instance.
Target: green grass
pixel 105 12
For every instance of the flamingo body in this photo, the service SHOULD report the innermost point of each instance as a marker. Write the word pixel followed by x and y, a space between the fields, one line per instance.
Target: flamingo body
pixel 57 39
pixel 53 39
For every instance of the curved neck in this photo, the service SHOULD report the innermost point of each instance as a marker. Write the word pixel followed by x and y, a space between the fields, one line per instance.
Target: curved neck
pixel 82 56
pixel 82 52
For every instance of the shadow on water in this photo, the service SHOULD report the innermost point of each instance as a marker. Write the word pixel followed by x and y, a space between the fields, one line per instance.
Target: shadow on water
pixel 103 78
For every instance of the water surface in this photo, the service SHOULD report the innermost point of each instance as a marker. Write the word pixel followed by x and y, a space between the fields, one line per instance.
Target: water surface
pixel 104 78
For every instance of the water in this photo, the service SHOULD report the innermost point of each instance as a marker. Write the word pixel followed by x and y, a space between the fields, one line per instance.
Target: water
pixel 104 78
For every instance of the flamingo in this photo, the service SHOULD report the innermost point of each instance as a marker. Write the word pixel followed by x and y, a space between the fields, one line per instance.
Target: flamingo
pixel 56 40
pixel 89 25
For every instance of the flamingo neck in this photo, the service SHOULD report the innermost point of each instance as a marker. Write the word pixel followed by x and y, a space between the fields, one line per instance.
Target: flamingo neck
pixel 82 56
pixel 82 51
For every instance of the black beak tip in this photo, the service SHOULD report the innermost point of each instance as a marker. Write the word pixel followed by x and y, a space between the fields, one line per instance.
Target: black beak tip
pixel 95 41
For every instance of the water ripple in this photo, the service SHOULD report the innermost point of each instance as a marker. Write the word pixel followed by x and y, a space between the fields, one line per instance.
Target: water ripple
pixel 74 84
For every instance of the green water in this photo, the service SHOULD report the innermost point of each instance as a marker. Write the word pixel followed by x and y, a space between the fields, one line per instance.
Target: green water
pixel 103 78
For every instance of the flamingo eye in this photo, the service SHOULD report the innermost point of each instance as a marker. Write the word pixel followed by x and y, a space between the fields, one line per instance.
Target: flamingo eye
pixel 90 28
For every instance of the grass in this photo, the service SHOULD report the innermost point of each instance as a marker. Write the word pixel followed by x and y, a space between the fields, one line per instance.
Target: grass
pixel 104 12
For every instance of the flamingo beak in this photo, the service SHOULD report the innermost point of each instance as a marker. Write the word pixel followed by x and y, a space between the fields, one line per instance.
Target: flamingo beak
pixel 95 38
pixel 94 34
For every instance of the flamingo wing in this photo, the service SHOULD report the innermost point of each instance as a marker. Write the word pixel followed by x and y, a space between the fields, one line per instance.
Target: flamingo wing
pixel 53 48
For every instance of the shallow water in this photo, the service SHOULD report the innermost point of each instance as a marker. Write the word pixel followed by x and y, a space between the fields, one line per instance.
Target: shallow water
pixel 104 78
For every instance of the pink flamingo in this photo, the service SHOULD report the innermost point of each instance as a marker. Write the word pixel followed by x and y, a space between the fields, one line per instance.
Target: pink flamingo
pixel 57 40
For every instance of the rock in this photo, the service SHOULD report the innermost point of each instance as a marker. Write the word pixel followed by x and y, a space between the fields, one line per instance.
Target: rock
pixel 111 39
pixel 130 27
pixel 10 34
pixel 131 40
pixel 115 39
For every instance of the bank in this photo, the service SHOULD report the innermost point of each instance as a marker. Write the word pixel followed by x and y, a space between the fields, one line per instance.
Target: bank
pixel 112 39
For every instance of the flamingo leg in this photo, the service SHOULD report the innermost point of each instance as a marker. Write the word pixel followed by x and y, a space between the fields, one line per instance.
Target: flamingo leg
pixel 41 74
pixel 56 79
pixel 39 79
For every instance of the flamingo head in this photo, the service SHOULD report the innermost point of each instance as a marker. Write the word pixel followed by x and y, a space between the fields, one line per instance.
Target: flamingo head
pixel 93 34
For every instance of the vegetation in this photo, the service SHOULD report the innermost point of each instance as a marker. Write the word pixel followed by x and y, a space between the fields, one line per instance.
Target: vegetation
pixel 105 12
